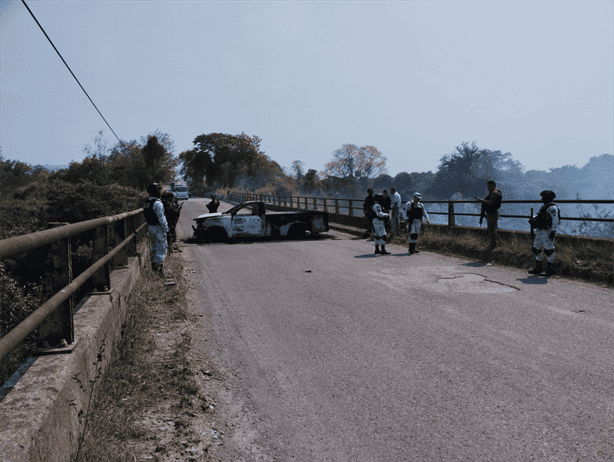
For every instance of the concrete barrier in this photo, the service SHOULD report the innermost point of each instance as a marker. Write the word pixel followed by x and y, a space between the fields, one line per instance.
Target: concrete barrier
pixel 44 414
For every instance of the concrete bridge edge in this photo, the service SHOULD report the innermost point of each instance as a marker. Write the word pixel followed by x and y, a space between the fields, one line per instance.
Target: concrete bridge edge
pixel 44 414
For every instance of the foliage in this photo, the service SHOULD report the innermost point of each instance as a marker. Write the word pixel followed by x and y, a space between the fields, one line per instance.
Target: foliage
pixel 352 163
pixel 220 158
pixel 72 203
pixel 467 170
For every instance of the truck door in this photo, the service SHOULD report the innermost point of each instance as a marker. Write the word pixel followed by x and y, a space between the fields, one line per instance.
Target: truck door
pixel 247 222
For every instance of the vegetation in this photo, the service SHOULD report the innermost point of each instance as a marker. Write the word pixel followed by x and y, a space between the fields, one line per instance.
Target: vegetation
pixel 150 403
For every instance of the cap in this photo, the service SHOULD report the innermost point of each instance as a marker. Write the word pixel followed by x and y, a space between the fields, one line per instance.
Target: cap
pixel 547 192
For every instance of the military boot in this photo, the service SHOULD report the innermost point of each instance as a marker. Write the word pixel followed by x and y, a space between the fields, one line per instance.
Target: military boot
pixel 412 248
pixel 377 250
pixel 384 252
pixel 549 270
pixel 537 269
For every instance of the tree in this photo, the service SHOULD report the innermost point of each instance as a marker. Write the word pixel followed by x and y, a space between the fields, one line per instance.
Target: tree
pixel 467 170
pixel 310 180
pixel 352 163
pixel 159 162
pixel 217 157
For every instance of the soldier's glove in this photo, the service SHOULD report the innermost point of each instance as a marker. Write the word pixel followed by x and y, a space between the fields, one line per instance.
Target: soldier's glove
pixel 552 235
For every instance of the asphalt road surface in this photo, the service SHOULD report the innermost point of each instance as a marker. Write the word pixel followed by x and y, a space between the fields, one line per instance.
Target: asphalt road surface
pixel 332 354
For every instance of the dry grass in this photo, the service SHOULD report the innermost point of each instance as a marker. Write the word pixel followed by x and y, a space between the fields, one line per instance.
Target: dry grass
pixel 586 262
pixel 151 402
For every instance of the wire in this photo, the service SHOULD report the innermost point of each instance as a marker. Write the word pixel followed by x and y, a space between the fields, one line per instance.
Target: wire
pixel 56 50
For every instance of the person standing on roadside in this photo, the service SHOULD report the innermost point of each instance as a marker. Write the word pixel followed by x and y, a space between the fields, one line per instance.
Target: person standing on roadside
pixel 367 207
pixel 172 210
pixel 213 204
pixel 546 223
pixel 158 228
pixel 395 207
pixel 414 212
pixel 490 208
pixel 379 225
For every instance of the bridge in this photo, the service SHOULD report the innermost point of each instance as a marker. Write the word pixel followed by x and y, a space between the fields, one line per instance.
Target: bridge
pixel 341 356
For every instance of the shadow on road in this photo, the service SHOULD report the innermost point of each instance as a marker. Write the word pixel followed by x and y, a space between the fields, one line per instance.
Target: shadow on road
pixel 534 280
pixel 262 240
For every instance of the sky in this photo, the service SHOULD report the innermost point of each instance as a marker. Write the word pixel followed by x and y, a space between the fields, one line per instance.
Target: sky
pixel 415 79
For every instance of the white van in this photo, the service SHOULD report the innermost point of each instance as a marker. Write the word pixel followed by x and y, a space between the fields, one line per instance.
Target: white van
pixel 181 191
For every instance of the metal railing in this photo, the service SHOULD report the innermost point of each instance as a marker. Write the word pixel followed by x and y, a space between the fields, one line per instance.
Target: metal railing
pixel 354 207
pixel 54 318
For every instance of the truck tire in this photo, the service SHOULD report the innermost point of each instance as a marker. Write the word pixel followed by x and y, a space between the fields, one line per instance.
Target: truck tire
pixel 215 234
pixel 297 231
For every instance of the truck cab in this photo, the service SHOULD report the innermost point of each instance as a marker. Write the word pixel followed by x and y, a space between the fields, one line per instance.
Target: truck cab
pixel 180 190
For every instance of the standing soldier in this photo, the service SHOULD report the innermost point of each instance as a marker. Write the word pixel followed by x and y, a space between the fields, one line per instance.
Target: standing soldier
pixel 546 222
pixel 172 209
pixel 367 207
pixel 158 227
pixel 213 204
pixel 379 225
pixel 414 212
pixel 395 208
pixel 490 208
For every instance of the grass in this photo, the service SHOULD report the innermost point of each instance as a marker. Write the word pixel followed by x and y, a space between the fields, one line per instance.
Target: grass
pixel 150 397
pixel 586 261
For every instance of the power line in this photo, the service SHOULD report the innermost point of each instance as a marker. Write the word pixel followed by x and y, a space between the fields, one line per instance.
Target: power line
pixel 56 50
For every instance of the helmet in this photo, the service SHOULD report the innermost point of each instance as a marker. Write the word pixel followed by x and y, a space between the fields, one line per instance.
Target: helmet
pixel 418 195
pixel 168 196
pixel 548 194
pixel 154 190
pixel 379 198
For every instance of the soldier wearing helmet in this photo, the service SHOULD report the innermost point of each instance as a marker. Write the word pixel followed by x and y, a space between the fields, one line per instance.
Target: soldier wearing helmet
pixel 172 209
pixel 414 212
pixel 158 227
pixel 546 224
pixel 379 224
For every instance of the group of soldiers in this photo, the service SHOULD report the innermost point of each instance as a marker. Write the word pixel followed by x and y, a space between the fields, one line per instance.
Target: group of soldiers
pixel 161 211
pixel 385 212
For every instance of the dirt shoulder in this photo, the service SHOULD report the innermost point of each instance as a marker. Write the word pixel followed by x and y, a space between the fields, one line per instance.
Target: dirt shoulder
pixel 158 401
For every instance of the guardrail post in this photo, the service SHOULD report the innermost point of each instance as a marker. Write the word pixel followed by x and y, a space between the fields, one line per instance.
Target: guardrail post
pixel 130 227
pixel 120 260
pixel 350 208
pixel 337 206
pixel 315 205
pixel 285 201
pixel 58 329
pixel 101 278
pixel 325 206
pixel 451 221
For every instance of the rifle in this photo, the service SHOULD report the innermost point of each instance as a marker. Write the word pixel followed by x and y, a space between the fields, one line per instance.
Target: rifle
pixel 482 213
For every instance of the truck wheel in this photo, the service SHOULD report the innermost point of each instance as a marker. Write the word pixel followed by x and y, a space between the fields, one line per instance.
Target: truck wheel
pixel 297 231
pixel 215 235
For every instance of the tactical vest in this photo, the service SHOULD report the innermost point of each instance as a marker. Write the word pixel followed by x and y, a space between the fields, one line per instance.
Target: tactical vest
pixel 415 212
pixel 496 205
pixel 149 212
pixel 544 219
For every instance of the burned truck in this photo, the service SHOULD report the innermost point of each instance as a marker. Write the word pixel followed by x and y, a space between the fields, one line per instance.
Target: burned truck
pixel 251 219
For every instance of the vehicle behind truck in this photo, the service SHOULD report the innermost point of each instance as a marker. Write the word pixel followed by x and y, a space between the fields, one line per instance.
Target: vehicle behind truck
pixel 251 219
pixel 181 191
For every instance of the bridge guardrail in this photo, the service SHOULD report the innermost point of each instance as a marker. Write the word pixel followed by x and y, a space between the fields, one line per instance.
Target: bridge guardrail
pixel 348 206
pixel 54 318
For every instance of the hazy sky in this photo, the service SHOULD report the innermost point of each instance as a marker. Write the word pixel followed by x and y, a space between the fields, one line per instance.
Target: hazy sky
pixel 413 78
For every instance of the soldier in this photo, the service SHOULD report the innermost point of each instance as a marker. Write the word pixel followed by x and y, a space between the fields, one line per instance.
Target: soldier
pixel 172 210
pixel 158 227
pixel 367 207
pixel 379 225
pixel 490 208
pixel 546 223
pixel 213 204
pixel 414 212
pixel 395 209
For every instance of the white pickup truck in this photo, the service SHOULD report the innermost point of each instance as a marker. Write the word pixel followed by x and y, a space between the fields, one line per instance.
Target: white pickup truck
pixel 251 219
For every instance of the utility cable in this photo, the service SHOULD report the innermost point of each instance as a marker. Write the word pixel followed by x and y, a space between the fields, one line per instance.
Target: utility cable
pixel 56 50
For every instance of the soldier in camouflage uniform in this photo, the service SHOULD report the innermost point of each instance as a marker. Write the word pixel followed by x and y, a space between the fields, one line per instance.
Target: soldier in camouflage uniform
pixel 545 223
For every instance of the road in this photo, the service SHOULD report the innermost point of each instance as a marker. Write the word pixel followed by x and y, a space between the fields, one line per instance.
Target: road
pixel 332 354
